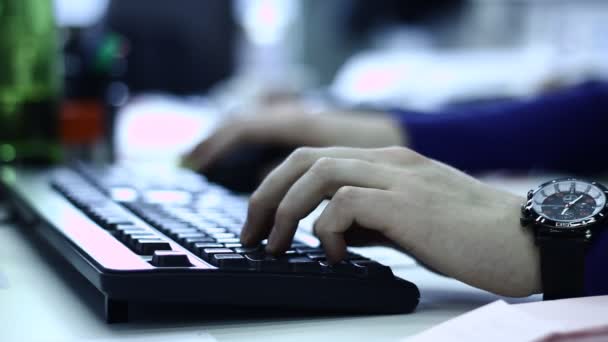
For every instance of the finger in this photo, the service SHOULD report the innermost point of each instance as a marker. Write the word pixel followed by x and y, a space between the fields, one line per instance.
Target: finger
pixel 265 200
pixel 222 141
pixel 321 181
pixel 373 209
pixel 258 129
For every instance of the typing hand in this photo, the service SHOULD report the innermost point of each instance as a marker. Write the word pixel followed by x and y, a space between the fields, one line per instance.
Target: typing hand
pixel 450 221
pixel 292 125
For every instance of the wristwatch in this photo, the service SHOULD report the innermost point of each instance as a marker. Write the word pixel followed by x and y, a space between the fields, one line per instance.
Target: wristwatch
pixel 564 214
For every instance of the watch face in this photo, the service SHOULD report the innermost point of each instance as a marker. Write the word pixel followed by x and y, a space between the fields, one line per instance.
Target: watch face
pixel 568 201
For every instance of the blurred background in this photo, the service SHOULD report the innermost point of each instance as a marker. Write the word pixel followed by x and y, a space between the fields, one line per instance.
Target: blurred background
pixel 148 79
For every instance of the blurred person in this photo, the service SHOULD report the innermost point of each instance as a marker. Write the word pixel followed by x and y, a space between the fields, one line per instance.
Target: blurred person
pixel 390 182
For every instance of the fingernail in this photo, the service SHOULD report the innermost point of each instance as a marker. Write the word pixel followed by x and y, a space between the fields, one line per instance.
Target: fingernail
pixel 271 240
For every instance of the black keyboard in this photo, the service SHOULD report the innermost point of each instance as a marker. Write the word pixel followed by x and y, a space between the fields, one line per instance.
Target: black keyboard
pixel 174 237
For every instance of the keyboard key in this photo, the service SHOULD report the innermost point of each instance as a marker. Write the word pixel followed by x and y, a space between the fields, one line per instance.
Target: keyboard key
pixel 372 268
pixel 260 256
pixel 303 264
pixel 217 250
pixel 248 249
pixel 184 236
pixel 171 223
pixel 208 252
pixel 223 235
pixel 317 256
pixel 325 267
pixel 179 231
pixel 213 230
pixel 130 238
pixel 266 262
pixel 234 226
pixel 228 240
pixel 110 223
pixel 127 227
pixel 229 261
pixel 123 230
pixel 170 259
pixel 306 250
pixel 344 268
pixel 191 241
pixel 148 246
pixel 204 245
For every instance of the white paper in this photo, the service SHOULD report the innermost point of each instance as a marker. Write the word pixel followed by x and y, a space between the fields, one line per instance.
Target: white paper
pixel 496 322
pixel 500 321
pixel 571 314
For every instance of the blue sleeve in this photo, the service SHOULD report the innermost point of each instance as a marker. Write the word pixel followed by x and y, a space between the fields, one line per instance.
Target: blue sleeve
pixel 596 266
pixel 564 130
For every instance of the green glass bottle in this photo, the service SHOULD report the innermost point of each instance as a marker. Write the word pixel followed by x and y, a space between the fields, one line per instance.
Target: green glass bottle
pixel 30 83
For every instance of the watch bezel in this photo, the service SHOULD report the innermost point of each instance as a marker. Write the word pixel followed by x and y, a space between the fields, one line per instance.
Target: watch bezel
pixel 531 217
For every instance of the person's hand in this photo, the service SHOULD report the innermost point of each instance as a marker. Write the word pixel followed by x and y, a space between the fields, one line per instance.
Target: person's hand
pixel 292 125
pixel 449 221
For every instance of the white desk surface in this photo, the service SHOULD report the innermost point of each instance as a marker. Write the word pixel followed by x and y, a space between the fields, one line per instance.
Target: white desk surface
pixel 37 303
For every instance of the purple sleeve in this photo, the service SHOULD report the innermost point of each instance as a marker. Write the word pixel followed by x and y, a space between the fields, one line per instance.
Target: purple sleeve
pixel 565 130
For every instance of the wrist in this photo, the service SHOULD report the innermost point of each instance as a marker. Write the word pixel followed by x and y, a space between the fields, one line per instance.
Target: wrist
pixel 524 257
pixel 498 254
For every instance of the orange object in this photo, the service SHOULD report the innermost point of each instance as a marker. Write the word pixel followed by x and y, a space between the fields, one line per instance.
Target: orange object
pixel 81 121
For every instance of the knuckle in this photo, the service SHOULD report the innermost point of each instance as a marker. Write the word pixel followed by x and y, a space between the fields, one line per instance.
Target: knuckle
pixel 255 202
pixel 345 195
pixel 302 154
pixel 401 154
pixel 323 166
